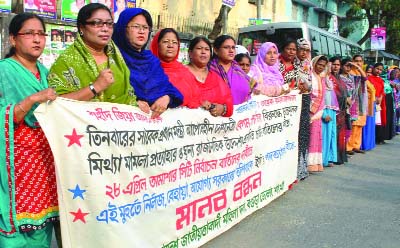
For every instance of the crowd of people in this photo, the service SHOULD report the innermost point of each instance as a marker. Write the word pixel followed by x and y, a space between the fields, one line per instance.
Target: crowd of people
pixel 346 109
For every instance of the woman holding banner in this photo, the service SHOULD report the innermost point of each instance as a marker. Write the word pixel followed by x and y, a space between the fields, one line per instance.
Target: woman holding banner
pixel 152 87
pixel 92 68
pixel 28 192
pixel 265 70
pixel 215 94
pixel 225 66
pixel 165 46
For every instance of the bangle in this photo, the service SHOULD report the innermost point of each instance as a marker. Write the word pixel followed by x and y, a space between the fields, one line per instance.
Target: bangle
pixel 225 109
pixel 92 89
pixel 21 108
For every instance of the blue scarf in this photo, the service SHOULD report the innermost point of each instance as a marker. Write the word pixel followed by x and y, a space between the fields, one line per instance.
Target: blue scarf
pixel 147 76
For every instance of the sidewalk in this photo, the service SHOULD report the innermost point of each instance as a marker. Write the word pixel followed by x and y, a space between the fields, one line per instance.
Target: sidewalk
pixel 355 205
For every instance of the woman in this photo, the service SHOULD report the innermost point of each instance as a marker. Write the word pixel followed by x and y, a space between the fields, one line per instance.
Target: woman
pixel 265 70
pixel 359 120
pixel 244 61
pixel 303 80
pixel 224 65
pixel 396 88
pixel 152 87
pixel 215 95
pixel 317 106
pixel 329 133
pixel 379 85
pixel 388 76
pixel 29 205
pixel 368 133
pixel 368 70
pixel 352 101
pixel 165 45
pixel 92 68
pixel 341 94
pixel 287 66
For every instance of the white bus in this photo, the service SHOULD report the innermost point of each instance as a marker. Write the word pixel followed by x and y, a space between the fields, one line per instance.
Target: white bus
pixel 322 42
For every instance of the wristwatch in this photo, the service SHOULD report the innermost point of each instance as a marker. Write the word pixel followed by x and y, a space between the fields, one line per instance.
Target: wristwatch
pixel 91 87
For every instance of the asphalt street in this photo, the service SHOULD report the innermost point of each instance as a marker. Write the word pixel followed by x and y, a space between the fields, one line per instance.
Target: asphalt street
pixel 351 205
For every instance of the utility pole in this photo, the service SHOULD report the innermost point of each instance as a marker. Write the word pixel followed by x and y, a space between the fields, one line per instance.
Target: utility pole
pixel 378 25
pixel 258 9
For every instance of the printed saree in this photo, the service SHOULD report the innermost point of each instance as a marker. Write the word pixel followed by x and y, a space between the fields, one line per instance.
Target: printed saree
pixel 26 161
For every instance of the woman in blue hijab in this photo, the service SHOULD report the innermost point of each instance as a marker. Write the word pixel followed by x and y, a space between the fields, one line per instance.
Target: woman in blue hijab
pixel 153 90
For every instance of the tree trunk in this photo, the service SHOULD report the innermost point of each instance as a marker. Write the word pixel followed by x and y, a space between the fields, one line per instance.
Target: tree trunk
pixel 218 23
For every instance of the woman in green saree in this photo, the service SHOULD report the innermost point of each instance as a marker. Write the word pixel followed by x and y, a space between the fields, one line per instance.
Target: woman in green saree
pixel 28 189
pixel 92 68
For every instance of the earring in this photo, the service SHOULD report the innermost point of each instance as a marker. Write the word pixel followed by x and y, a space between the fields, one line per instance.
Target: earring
pixel 81 33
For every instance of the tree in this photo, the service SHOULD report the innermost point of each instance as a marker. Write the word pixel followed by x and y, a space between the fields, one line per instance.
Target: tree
pixel 378 12
pixel 219 22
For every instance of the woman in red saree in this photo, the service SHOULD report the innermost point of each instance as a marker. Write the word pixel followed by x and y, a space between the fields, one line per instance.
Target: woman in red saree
pixel 379 85
pixel 165 45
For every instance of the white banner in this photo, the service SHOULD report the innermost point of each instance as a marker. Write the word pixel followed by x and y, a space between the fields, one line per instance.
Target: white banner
pixel 125 180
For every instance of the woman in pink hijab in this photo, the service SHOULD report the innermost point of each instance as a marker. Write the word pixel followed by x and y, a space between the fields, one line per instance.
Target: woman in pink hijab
pixel 265 70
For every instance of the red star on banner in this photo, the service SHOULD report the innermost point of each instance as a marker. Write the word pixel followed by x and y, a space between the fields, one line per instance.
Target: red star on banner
pixel 74 138
pixel 79 215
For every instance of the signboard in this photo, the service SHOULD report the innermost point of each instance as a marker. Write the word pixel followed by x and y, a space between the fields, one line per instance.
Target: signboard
pixel 125 180
pixel 378 38
pixel 70 9
pixel 120 5
pixel 255 21
pixel 44 8
pixel 5 6
pixel 58 39
pixel 229 3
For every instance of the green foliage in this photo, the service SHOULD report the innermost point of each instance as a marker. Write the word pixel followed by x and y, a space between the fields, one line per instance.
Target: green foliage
pixel 389 18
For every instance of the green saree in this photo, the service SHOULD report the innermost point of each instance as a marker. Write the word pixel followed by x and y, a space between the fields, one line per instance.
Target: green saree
pixel 76 68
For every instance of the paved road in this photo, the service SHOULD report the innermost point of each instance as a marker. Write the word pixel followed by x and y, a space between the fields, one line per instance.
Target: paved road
pixel 355 205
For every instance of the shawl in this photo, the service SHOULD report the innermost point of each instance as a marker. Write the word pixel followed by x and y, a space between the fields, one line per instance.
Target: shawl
pixel 331 101
pixel 340 91
pixel 362 91
pixel 179 75
pixel 147 76
pixel 318 88
pixel 236 78
pixel 289 73
pixel 303 71
pixel 16 83
pixel 76 68
pixel 353 93
pixel 215 90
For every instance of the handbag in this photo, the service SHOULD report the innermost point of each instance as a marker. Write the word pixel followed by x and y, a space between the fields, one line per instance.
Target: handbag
pixel 378 120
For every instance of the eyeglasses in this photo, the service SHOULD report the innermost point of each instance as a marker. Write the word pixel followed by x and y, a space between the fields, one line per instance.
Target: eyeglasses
pixel 169 42
pixel 31 34
pixel 229 47
pixel 100 23
pixel 348 65
pixel 138 27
